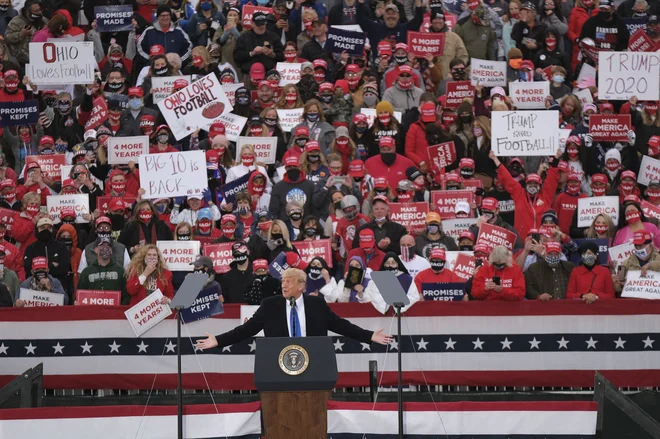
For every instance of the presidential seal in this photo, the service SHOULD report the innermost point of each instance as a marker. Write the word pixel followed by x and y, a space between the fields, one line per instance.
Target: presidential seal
pixel 293 360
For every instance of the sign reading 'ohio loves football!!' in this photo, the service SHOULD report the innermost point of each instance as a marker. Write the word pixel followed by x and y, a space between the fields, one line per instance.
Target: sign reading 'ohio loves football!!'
pixel 61 63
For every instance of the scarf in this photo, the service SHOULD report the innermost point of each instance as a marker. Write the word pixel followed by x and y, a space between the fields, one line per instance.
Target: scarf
pixel 153 236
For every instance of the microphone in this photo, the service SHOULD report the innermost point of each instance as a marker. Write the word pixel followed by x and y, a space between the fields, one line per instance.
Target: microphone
pixel 292 301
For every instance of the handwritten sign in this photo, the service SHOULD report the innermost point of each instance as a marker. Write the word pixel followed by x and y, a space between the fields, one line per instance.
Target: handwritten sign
pixel 162 87
pixel 525 133
pixel 98 297
pixel 423 43
pixel 173 174
pixel 290 118
pixel 341 40
pixel 650 210
pixel 230 92
pixel 205 305
pixel 79 202
pixel 647 287
pixel 610 127
pixel 114 18
pixel 122 150
pixel 308 250
pixel 234 125
pixel 410 215
pixel 589 208
pixel 445 201
pixel 221 256
pixel 196 106
pixel 529 95
pixel 621 252
pixel 19 113
pixel 457 91
pixel 50 164
pixel 492 236
pixel 488 73
pixel 443 291
pixel 229 190
pixel 622 75
pixel 649 171
pixel 34 298
pixel 454 227
pixel 61 63
pixel 442 155
pixel 179 255
pixel 289 72
pixel 147 313
pixel 265 148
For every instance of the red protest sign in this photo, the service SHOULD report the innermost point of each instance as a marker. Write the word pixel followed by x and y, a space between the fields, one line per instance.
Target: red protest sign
pixel 464 266
pixel 308 250
pixel 220 254
pixel 445 201
pixel 423 43
pixel 492 236
pixel 248 12
pixel 7 217
pixel 641 42
pixel 610 127
pixel 450 20
pixel 98 297
pixel 99 114
pixel 411 215
pixel 650 210
pixel 50 164
pixel 547 73
pixel 102 202
pixel 457 91
pixel 442 155
pixel 591 52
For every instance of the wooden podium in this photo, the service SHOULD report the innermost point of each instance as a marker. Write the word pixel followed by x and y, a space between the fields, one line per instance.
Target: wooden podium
pixel 295 377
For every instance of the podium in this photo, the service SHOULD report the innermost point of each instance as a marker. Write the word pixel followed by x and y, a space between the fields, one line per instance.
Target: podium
pixel 295 377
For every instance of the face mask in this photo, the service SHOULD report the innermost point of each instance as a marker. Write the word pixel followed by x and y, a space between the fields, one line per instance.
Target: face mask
pixel 604 15
pixel 258 190
pixel 465 248
pixel 105 253
pixel 135 104
pixel 588 3
pixel 291 98
pixel 61 148
pixel 553 261
pixel 467 173
pixel 293 174
pixel 40 275
pixel 385 119
pixel 478 132
pixel 466 119
pixel 558 79
pixel 161 208
pixel 627 187
pixel 270 121
pixel 370 100
pixel 207 6
pixel 310 232
pixel 633 217
pixel 45 235
pixel 115 86
pixel 642 253
pixel 247 160
pixel 228 232
pixel 290 56
pixel 405 83
pixel 36 17
pixel 573 188
pixel 458 74
pixel 588 259
pixel 437 265
pixel 301 142
pixel 499 266
pixel 572 152
pixel 295 216
pixel 361 130
pixel 400 59
pixel 117 220
pixel 161 72
pixel 32 210
pixel 388 158
pixel 67 241
pixel 243 210
pixel 64 107
pixel 163 138
pixel 326 99
pixel 433 229
pixel 598 191
pixel 601 229
pixel 145 216
pixel 50 101
pixel 405 196
pixel 184 237
pixel 4 8
pixel 515 63
pixel 240 257
pixel 319 76
pixel 312 117
pixel 551 45
pixel 10 197
pixel 380 220
pixel 243 100
pixel 532 190
pixel 313 158
pixel 204 226
pixel 11 86
pixel 256 131
pixel 118 188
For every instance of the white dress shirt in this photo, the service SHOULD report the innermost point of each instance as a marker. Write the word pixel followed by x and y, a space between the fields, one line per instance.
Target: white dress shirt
pixel 300 308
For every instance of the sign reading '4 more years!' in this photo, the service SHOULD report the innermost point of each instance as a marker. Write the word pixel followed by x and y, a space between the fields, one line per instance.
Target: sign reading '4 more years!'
pixel 195 106
pixel 65 63
pixel 173 174
pixel 147 313
pixel 179 255
pixel 122 150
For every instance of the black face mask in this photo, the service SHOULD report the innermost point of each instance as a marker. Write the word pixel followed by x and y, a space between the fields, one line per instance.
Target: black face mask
pixel 313 158
pixel 240 257
pixel 465 248
pixel 277 236
pixel 499 266
pixel 260 277
pixel 295 216
pixel 199 270
pixel 184 237
pixel 115 86
pixel 603 15
pixel 4 8
pixel 458 74
pixel 161 72
pixel 67 241
pixel 437 265
pixel 466 119
pixel 391 268
pixel 105 235
pixel 467 174
pixel 326 99
pixel 315 272
pixel 36 17
pixel 50 101
pixel 310 231
pixel 337 205
pixel 388 157
pixel 293 174
pixel 243 100
pixel 45 235
pixel 40 275
pixel 401 60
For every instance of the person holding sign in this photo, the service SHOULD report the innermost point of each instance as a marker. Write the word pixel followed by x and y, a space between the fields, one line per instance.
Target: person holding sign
pixel 147 273
pixel 632 221
pixel 645 257
pixel 590 281
pixel 105 274
pixel 499 279
pixel 547 278
pixel 606 29
pixel 41 280
pixel 437 273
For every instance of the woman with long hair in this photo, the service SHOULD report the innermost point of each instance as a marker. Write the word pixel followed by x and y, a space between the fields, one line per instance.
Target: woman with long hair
pixel 571 110
pixel 146 273
pixel 631 220
pixel 145 227
pixel 313 163
pixel 201 64
pixel 646 122
pixel 279 239
pixel 510 19
pixel 345 147
pixel 289 98
pixel 319 129
pixel 479 148
pixel 273 129
pixel 602 227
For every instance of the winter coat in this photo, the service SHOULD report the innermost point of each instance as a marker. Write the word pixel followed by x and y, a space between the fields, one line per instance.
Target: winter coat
pixel 284 191
pixel 539 279
pixel 424 244
pixel 236 283
pixel 522 31
pixel 374 262
pixel 377 31
pixel 403 100
pixel 632 263
pixel 13 259
pixel 18 45
pixel 130 234
pixel 246 44
pixel 376 168
pixel 389 229
pixel 262 289
pixel 6 19
pixel 598 281
pixel 322 132
pixel 454 48
pixel 609 35
pixel 202 37
pixel 175 40
pixel 75 252
pixel 56 287
pixel 576 20
pixel 118 255
pixel 11 281
pixel 480 41
pixel 59 259
pixel 138 291
pixel 511 278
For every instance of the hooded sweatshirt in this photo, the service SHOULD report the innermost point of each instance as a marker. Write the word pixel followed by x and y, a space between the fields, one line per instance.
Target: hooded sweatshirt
pixel 44 34
pixel 74 251
pixel 403 100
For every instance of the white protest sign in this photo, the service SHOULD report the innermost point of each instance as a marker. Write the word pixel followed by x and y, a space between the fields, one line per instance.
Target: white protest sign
pixel 163 87
pixel 40 298
pixel 621 252
pixel 529 95
pixel 196 106
pixel 79 203
pixel 61 63
pixel 351 27
pixel 247 311
pixel 178 255
pixel 454 227
pixel 525 133
pixel 589 208
pixel 647 287
pixel 289 72
pixel 488 73
pixel 147 313
pixel 371 115
pixel 649 171
pixel 622 75
pixel 233 125
pixel 290 118
pixel 264 148
pixel 563 137
pixel 173 174
pixel 586 71
pixel 122 150
pixel 584 96
pixel 230 92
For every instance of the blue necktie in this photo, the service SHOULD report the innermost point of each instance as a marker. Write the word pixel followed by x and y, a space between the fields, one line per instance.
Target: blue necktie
pixel 295 323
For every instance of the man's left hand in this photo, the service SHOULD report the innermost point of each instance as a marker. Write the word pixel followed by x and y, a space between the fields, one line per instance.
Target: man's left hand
pixel 380 338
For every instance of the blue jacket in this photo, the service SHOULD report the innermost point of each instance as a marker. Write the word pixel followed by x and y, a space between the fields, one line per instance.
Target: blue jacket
pixel 174 41
pixel 203 38
pixel 6 18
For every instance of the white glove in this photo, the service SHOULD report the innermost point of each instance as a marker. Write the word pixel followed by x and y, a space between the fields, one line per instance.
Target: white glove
pixel 631 137
pixel 588 141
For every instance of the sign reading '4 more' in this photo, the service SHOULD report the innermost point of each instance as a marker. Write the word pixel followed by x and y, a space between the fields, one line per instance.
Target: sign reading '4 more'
pixel 649 171
pixel 173 174
pixel 650 210
pixel 289 72
pixel 445 201
pixel 309 250
pixel 98 297
pixel 122 150
pixel 7 217
pixel 425 43
pixel 265 148
pixel 621 252
pixel 221 256
pixel 179 255
pixel 147 313
pixel 529 95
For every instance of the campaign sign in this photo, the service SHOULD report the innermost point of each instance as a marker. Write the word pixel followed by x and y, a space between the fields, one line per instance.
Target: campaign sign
pixel 642 287
pixel 221 256
pixel 122 150
pixel 649 171
pixel 196 106
pixel 173 174
pixel 488 73
pixel 525 133
pixel 278 265
pixel 113 18
pixel 162 87
pixel 234 125
pixel 610 127
pixel 492 236
pixel 40 298
pixel 443 291
pixel 147 313
pixel 290 118
pixel 61 63
pixel 621 252
pixel 289 72
pixel 464 265
pixel 229 190
pixel 79 202
pixel 454 227
pixel 19 113
pixel 445 201
pixel 308 250
pixel 603 250
pixel 641 42
pixel 99 113
pixel 341 40
pixel 529 95
pixel 457 91
pixel 635 25
pixel 7 217
pixel 584 95
pixel 650 210
pixel 410 215
pixel 230 92
pixel 102 202
pixel 179 255
pixel 442 155
pixel 589 208
pixel 622 75
pixel 249 10
pixel 98 297
pixel 205 306
pixel 423 43
pixel 265 148
pixel 50 164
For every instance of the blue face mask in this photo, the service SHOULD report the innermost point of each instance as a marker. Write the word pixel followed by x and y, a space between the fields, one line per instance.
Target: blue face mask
pixel 558 79
pixel 135 104
pixel 262 2
pixel 312 117
pixel 206 6
pixel 61 147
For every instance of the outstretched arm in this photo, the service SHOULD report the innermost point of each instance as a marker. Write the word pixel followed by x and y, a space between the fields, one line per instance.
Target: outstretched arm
pixel 348 329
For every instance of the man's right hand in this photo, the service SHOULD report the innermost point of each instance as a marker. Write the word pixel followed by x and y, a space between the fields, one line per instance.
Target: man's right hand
pixel 258 50
pixel 26 31
pixel 208 343
pixel 545 297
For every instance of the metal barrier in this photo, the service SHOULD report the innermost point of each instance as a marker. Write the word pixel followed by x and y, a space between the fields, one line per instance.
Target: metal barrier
pixel 28 386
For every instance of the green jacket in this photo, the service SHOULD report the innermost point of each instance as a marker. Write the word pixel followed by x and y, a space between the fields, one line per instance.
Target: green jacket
pixel 479 40
pixel 11 281
pixel 108 278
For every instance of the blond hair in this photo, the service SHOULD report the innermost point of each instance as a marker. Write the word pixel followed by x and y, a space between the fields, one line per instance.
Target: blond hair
pixel 137 264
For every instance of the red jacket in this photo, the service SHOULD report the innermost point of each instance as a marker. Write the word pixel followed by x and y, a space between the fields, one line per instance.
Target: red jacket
pixel 21 190
pixel 429 277
pixel 374 263
pixel 13 259
pixel 19 96
pixel 511 278
pixel 23 231
pixel 417 148
pixel 139 292
pixel 575 22
pixel 597 281
pixel 376 168
pixel 528 216
pixel 565 205
pixel 346 229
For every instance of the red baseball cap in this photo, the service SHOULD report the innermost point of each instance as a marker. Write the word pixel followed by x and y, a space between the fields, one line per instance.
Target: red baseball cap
pixel 46 140
pixel 382 198
pixel 427 110
pixel 490 204
pixel 386 141
pixel 67 211
pixel 546 231
pixel 628 174
pixel 353 68
pixel 257 71
pixel 179 84
pixel 301 132
pixel 466 162
pixel 380 183
pixel 403 46
pixel 466 234
pixel 631 198
pixel 606 106
pixel 67 182
pixel 356 168
pixel 640 238
pixel 573 139
pixel 114 204
pixel 227 218
pixel 438 253
pixel 260 263
pixel 405 69
pixel 552 246
pixel 216 129
pixel 105 219
pixel 8 182
pixel 563 166
pixel 367 238
pixel 40 262
pixel 156 49
pixel 319 63
pixel 326 86
pixel 573 176
pixel 480 248
pixel 599 178
pixel 312 145
pixel 452 176
pixel 533 178
pixel 292 160
pixel 359 117
pixel 138 91
pixel 654 141
pixel 212 156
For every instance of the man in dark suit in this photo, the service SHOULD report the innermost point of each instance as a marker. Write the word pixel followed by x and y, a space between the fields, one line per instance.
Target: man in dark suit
pixel 294 315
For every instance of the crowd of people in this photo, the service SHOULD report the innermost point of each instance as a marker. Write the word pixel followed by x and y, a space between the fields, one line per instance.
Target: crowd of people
pixel 337 172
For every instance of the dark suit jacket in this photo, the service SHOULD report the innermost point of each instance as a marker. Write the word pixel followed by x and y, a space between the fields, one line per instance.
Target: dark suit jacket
pixel 271 317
